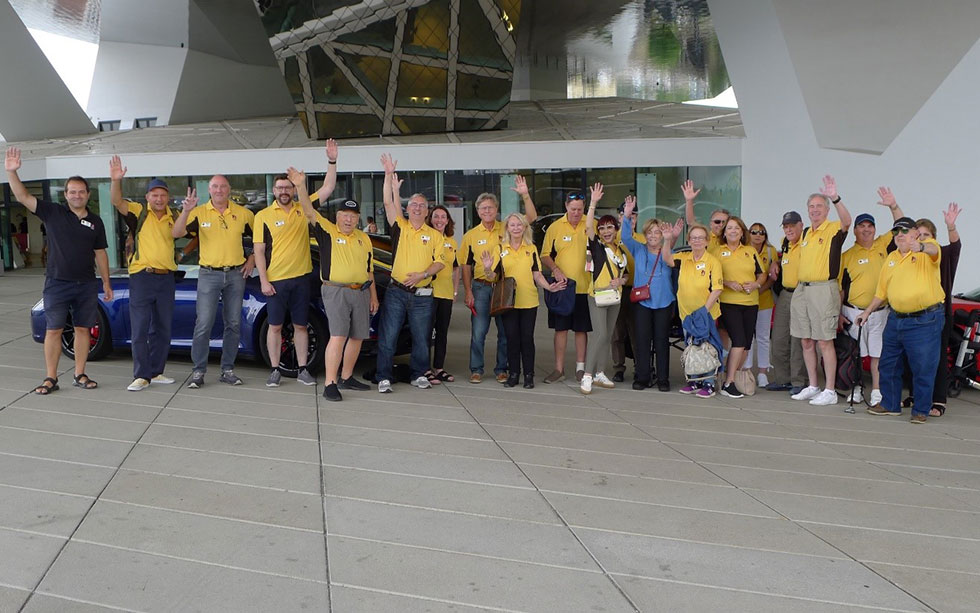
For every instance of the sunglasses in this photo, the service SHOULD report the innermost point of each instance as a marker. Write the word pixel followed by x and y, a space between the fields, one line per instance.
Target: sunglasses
pixel 757 233
pixel 903 230
pixel 576 196
pixel 717 221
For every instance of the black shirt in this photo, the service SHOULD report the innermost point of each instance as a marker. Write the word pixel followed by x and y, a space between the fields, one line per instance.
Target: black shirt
pixel 73 241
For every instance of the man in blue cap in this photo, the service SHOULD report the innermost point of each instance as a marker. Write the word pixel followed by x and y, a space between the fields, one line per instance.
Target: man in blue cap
pixel 151 275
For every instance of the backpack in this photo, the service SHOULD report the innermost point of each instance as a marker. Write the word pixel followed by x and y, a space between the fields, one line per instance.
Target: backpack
pixel 848 362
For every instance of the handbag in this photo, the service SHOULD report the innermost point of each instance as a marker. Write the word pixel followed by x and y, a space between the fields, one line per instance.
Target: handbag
pixel 503 293
pixel 609 296
pixel 642 292
pixel 561 302
pixel 745 381
pixel 700 362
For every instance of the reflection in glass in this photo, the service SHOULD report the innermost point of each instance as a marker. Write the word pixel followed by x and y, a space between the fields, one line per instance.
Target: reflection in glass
pixel 421 86
pixel 341 125
pixel 478 93
pixel 477 43
pixel 427 30
pixel 327 82
pixel 293 82
pixel 371 71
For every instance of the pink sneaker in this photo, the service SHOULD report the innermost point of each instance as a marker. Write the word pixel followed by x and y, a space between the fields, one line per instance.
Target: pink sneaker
pixel 690 388
pixel 705 392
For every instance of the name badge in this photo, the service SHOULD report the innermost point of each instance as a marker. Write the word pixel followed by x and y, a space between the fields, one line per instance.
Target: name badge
pixel 482 241
pixel 504 253
pixel 803 244
pixel 88 224
pixel 280 223
pixel 205 224
pixel 785 262
pixel 341 241
pixel 725 254
pixel 892 263
pixel 425 239
pixel 447 245
pixel 566 239
pixel 863 261
pixel 699 266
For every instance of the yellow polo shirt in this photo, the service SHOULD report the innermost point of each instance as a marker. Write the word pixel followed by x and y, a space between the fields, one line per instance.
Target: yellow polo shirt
pixel 766 256
pixel 414 250
pixel 695 280
pixel 715 243
pixel 153 245
pixel 820 250
pixel 520 264
pixel 910 282
pixel 221 234
pixel 344 258
pixel 475 242
pixel 740 265
pixel 566 246
pixel 287 241
pixel 442 285
pixel 862 267
pixel 601 276
pixel 790 266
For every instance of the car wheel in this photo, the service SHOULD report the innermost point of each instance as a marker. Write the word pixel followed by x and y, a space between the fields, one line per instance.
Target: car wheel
pixel 100 339
pixel 954 388
pixel 288 364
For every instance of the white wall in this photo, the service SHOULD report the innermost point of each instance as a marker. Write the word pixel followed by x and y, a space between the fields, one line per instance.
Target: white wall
pixel 134 80
pixel 931 162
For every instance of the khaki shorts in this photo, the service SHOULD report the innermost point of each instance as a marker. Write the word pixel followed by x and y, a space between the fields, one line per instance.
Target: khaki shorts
pixel 871 332
pixel 814 311
pixel 348 311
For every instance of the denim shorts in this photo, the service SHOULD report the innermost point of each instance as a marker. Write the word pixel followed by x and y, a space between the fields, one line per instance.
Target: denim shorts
pixel 80 298
pixel 292 295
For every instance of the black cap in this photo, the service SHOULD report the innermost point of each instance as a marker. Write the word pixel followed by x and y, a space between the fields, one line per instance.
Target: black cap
pixel 349 205
pixel 791 218
pixel 904 223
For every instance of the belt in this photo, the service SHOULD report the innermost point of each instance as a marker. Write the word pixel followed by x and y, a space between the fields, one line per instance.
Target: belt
pixel 406 288
pixel 222 268
pixel 483 281
pixel 156 271
pixel 789 289
pixel 848 304
pixel 809 283
pixel 930 309
pixel 347 285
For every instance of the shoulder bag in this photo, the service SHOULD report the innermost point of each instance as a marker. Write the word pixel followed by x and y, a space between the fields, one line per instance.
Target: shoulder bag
pixel 611 295
pixel 504 292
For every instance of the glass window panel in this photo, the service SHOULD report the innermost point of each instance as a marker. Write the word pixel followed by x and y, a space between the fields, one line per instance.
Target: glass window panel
pixel 463 124
pixel 460 188
pixel 477 44
pixel 511 12
pixel 418 182
pixel 617 183
pixel 372 72
pixel 427 30
pixel 284 15
pixel 327 82
pixel 293 82
pixel 420 125
pixel 421 86
pixel 323 8
pixel 347 124
pixel 668 202
pixel 477 93
pixel 551 186
pixel 380 34
pixel 721 188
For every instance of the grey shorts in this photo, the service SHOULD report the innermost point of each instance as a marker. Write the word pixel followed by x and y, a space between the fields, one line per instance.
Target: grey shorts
pixel 348 311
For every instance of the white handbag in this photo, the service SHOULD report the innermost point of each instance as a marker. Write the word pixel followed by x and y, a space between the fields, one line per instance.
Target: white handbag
pixel 700 361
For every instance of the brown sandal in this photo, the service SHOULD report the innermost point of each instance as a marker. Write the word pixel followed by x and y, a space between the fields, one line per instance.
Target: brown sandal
pixel 87 384
pixel 44 390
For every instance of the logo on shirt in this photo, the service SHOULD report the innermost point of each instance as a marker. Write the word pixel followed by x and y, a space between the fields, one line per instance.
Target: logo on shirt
pixel 803 244
pixel 892 263
pixel 482 241
pixel 341 241
pixel 280 223
pixel 88 224
pixel 725 254
pixel 820 241
pixel 863 261
pixel 425 239
pixel 699 266
pixel 785 262
pixel 913 259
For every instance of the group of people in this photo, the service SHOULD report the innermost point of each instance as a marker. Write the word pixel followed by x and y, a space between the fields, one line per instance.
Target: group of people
pixel 619 283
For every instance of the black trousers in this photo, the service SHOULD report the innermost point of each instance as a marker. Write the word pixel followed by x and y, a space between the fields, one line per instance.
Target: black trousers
pixel 652 325
pixel 519 328
pixel 442 312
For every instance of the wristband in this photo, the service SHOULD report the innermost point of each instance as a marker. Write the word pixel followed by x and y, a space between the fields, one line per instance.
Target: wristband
pixel 332 162
pixel 835 200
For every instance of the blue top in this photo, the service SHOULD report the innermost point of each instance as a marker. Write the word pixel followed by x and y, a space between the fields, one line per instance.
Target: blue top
pixel 699 327
pixel 661 286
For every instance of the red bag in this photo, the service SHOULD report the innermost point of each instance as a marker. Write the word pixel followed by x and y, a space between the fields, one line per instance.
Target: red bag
pixel 641 293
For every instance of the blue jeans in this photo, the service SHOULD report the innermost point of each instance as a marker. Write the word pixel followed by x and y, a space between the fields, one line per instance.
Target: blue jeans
pixel 229 287
pixel 151 313
pixel 481 325
pixel 917 339
pixel 398 305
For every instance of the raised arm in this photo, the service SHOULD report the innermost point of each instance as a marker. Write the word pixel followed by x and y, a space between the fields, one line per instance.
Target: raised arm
pixel 12 164
pixel 180 225
pixel 330 180
pixel 116 173
pixel 668 242
pixel 520 186
pixel 596 191
pixel 950 215
pixel 627 229
pixel 689 195
pixel 392 209
pixel 887 198
pixel 298 179
pixel 829 189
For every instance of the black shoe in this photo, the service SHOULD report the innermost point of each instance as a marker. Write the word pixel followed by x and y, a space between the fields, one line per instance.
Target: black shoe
pixel 779 387
pixel 663 386
pixel 353 384
pixel 529 382
pixel 651 382
pixel 513 379
pixel 731 391
pixel 619 376
pixel 639 385
pixel 331 393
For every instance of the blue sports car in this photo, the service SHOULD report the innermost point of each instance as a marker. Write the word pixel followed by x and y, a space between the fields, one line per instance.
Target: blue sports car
pixel 113 330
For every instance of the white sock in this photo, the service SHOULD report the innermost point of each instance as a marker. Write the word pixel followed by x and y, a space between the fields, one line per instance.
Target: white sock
pixel 579 365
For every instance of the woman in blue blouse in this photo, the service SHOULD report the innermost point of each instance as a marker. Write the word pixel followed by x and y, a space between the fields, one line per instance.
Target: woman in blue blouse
pixel 652 317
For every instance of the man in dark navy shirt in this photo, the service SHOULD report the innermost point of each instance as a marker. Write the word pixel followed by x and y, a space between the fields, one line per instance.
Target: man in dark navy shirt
pixel 77 242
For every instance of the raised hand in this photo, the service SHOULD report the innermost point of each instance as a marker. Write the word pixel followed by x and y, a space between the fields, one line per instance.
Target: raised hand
pixel 331 149
pixel 951 213
pixel 886 197
pixel 668 231
pixel 12 162
pixel 829 188
pixel 191 200
pixel 629 205
pixel 520 186
pixel 296 177
pixel 388 164
pixel 678 227
pixel 596 191
pixel 687 187
pixel 116 170
pixel 396 183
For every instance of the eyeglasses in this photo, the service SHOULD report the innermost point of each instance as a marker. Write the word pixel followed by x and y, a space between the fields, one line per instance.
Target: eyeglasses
pixel 698 237
pixel 576 196
pixel 757 233
pixel 717 222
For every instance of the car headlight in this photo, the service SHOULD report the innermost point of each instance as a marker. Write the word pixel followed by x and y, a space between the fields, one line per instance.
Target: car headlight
pixel 37 308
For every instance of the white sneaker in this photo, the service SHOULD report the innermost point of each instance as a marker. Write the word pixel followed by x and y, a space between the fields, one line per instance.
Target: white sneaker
pixel 162 379
pixel 762 379
pixel 806 393
pixel 384 386
pixel 824 398
pixel 856 396
pixel 586 386
pixel 875 397
pixel 138 384
pixel 602 380
pixel 422 383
